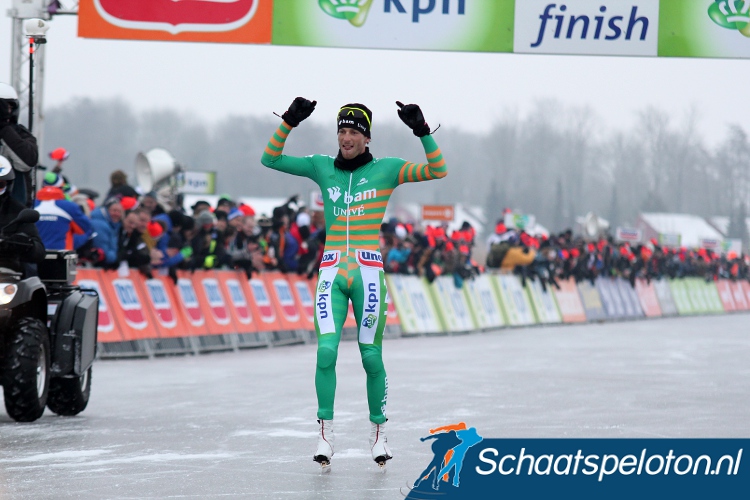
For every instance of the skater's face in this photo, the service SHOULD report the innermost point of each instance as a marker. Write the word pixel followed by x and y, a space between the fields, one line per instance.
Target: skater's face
pixel 352 143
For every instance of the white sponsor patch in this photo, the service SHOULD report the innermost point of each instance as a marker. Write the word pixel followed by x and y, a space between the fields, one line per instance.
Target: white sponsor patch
pixel 371 304
pixel 370 258
pixel 331 258
pixel 323 302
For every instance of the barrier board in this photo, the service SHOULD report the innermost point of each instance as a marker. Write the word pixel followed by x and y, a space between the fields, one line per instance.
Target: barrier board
pixel 107 329
pixel 543 303
pixel 392 318
pixel 514 300
pixel 484 302
pixel 282 297
pixel 666 300
pixel 711 296
pixel 303 294
pixel 423 305
pixel 237 300
pixel 213 303
pixel 746 289
pixel 611 298
pixel 591 301
pixel 160 294
pixel 131 311
pixel 451 305
pixel 569 302
pixel 629 298
pixel 188 302
pixel 679 291
pixel 696 296
pixel 725 295
pixel 647 297
pixel 738 294
pixel 399 292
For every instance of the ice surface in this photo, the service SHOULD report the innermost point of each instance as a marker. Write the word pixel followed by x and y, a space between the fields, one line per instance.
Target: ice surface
pixel 242 425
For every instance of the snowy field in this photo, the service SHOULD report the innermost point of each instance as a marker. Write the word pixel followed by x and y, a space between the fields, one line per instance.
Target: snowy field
pixel 242 425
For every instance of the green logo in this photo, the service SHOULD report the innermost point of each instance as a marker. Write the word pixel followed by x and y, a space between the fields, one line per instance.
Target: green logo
pixel 354 11
pixel 369 321
pixel 731 14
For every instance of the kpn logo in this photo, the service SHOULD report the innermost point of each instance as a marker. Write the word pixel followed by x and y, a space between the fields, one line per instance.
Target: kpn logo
pixel 354 11
pixel 731 14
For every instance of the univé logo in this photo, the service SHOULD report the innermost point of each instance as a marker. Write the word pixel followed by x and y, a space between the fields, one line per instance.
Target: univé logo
pixel 355 11
pixel 731 14
pixel 176 16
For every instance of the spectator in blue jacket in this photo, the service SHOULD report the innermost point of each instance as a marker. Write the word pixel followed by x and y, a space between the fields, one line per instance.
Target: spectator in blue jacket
pixel 107 222
pixel 59 219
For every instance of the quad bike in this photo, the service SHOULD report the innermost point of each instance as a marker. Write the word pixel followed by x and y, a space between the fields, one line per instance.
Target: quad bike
pixel 47 333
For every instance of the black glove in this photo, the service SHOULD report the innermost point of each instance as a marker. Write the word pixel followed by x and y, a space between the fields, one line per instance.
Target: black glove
pixel 414 119
pixel 4 113
pixel 300 109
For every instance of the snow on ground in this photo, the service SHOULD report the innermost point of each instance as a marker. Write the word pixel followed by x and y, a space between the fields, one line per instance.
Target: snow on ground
pixel 242 425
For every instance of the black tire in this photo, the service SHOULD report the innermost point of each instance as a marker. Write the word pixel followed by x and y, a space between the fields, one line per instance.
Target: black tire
pixel 26 373
pixel 69 396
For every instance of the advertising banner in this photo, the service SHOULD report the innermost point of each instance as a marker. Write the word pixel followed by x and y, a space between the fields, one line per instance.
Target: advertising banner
pixel 592 301
pixel 213 302
pixel 281 295
pixel 666 301
pixel 452 305
pixel 738 294
pixel 704 28
pixel 228 21
pixel 423 305
pixel 569 302
pixel 595 27
pixel 543 303
pixel 107 329
pixel 131 311
pixel 711 295
pixel 680 297
pixel 484 301
pixel 514 300
pixel 725 295
pixel 237 300
pixel 629 299
pixel 400 296
pixel 445 213
pixel 191 308
pixel 695 293
pixel 746 289
pixel 198 183
pixel 304 297
pixel 647 297
pixel 452 25
pixel 160 294
pixel 269 320
pixel 629 234
pixel 611 299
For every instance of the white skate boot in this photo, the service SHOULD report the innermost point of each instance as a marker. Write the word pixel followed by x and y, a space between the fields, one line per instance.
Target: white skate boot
pixel 379 444
pixel 325 445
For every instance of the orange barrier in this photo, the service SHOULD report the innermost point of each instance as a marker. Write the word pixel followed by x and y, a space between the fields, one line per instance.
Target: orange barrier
pixel 569 302
pixel 284 299
pixel 648 299
pixel 351 321
pixel 268 319
pixel 741 301
pixel 746 292
pixel 187 300
pixel 392 318
pixel 213 303
pixel 160 292
pixel 107 329
pixel 725 294
pixel 131 311
pixel 237 299
pixel 304 293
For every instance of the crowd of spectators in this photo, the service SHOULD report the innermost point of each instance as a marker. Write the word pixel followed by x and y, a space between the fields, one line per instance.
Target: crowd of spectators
pixel 138 230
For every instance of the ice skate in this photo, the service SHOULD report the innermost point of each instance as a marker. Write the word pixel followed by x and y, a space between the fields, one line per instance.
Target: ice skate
pixel 379 445
pixel 325 445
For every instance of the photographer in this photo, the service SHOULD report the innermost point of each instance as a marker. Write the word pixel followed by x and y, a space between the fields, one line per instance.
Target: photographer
pixel 17 145
pixel 25 233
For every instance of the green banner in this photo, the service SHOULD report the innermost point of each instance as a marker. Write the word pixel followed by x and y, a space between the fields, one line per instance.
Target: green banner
pixel 679 290
pixel 449 25
pixel 704 28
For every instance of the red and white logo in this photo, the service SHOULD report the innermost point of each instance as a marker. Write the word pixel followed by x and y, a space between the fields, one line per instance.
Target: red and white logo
pixel 177 16
pixel 284 294
pixel 190 302
pixel 216 300
pixel 369 258
pixel 160 300
pixel 331 258
pixel 267 314
pixel 306 299
pixel 106 324
pixel 130 303
pixel 238 300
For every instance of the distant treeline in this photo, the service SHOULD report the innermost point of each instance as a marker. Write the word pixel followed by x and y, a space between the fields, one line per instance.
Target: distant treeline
pixel 555 162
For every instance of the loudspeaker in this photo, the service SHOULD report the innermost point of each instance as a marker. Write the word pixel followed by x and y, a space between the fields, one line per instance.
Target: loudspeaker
pixel 154 167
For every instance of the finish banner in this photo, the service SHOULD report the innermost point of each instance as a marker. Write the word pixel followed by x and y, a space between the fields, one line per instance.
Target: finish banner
pixel 450 25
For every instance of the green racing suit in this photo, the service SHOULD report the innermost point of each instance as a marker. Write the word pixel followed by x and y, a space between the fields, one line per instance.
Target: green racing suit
pixel 352 266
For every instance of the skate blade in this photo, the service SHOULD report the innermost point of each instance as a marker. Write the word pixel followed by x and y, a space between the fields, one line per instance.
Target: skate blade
pixel 325 465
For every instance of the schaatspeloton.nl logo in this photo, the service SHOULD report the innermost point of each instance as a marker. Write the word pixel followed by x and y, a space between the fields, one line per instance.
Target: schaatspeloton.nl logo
pixel 731 14
pixel 354 11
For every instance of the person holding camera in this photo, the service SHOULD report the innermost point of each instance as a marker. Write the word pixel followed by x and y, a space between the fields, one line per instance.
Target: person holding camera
pixel 356 188
pixel 17 145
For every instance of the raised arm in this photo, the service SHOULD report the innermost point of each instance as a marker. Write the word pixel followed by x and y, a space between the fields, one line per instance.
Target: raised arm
pixel 435 167
pixel 273 158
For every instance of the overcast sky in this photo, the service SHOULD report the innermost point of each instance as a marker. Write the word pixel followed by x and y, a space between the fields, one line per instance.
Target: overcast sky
pixel 462 90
